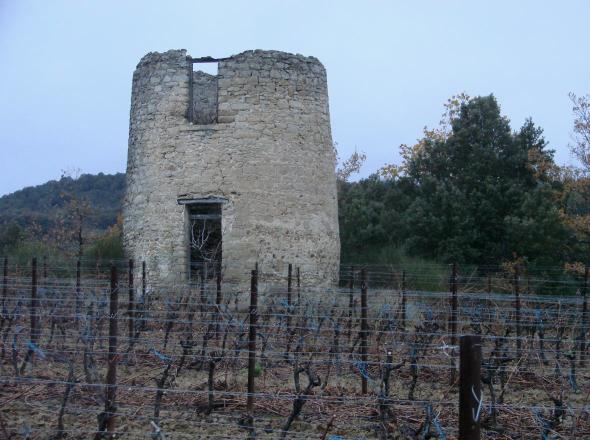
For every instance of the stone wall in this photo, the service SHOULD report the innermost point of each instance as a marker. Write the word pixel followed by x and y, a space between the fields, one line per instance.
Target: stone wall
pixel 269 155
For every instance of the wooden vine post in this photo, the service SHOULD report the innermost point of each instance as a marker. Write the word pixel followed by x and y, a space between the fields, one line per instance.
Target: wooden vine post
pixel 470 396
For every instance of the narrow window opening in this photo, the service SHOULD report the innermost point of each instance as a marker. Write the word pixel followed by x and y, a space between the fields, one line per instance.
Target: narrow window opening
pixel 205 239
pixel 203 91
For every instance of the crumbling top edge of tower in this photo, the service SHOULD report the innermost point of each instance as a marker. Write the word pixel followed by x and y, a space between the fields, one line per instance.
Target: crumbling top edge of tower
pixel 152 57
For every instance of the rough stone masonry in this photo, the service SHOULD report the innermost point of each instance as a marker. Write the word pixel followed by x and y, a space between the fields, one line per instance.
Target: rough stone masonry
pixel 249 148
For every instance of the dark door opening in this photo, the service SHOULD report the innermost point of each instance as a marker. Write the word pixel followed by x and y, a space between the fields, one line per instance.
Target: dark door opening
pixel 204 239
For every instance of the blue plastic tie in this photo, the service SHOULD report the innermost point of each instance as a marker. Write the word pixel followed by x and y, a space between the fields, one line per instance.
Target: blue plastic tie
pixel 439 429
pixel 362 368
pixel 35 349
pixel 162 357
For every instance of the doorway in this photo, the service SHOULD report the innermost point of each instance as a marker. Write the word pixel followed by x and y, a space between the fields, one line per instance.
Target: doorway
pixel 205 238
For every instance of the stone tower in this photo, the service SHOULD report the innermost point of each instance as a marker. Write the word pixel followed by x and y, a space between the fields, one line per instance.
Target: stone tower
pixel 227 170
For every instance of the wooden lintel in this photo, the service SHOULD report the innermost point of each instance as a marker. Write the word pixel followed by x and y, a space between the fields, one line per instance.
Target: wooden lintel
pixel 205 59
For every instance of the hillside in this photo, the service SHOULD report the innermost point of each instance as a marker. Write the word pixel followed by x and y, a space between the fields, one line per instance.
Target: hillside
pixel 46 204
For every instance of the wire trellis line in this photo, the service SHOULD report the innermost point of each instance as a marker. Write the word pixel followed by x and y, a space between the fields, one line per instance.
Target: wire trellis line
pixel 375 357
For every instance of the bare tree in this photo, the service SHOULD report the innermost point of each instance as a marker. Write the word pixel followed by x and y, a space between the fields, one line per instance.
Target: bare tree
pixel 69 231
pixel 350 166
pixel 581 135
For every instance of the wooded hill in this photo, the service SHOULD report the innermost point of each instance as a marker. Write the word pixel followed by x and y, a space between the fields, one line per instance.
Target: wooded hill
pixel 44 207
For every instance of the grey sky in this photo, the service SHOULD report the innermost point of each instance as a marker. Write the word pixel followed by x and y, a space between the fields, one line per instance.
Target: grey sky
pixel 66 66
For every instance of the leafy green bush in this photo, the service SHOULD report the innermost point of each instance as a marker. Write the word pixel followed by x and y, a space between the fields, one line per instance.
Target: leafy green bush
pixel 107 247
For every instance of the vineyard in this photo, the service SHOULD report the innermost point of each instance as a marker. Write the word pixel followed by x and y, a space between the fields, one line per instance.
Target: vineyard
pixel 98 351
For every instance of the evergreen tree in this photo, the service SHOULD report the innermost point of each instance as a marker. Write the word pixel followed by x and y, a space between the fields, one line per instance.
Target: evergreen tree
pixel 478 187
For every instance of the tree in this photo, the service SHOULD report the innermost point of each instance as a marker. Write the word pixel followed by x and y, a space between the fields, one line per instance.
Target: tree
pixel 441 133
pixel 574 198
pixel 70 230
pixel 370 214
pixel 108 245
pixel 11 235
pixel 581 135
pixel 350 166
pixel 472 184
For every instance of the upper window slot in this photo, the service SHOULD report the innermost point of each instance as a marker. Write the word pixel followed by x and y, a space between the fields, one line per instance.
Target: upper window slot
pixel 202 91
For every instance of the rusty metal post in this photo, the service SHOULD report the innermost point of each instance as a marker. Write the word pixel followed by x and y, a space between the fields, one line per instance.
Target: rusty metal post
pixel 111 378
pixel 528 282
pixel 45 270
pixel 218 292
pixel 488 313
pixel 78 290
pixel 470 397
pixel 34 301
pixel 143 280
pixel 5 283
pixel 403 306
pixel 289 283
pixel 289 299
pixel 218 301
pixel 454 304
pixel 350 301
pixel 298 285
pixel 364 328
pixel 583 346
pixel 252 340
pixel 202 295
pixel 453 320
pixel 517 299
pixel 131 303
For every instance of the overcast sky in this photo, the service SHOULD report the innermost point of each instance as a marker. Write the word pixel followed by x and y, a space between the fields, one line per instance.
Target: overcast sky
pixel 66 67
